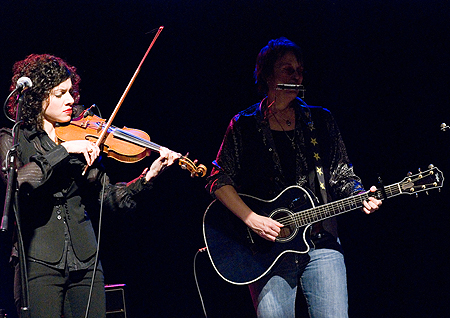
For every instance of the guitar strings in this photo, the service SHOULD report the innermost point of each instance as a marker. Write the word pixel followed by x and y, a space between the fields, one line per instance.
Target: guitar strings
pixel 318 213
pixel 311 215
pixel 315 214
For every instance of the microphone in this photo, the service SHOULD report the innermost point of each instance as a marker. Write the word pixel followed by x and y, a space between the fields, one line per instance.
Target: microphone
pixel 89 111
pixel 23 83
pixel 444 127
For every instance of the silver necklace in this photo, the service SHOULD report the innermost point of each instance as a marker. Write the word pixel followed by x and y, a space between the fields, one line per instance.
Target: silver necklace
pixel 288 122
pixel 285 132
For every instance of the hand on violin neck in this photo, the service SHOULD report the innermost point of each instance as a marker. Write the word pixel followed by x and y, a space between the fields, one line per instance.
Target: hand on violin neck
pixel 88 148
pixel 166 158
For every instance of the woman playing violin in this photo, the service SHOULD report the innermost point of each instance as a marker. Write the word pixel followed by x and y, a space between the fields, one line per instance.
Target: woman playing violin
pixel 54 196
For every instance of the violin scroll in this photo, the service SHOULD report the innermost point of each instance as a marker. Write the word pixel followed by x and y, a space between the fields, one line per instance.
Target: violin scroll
pixel 195 170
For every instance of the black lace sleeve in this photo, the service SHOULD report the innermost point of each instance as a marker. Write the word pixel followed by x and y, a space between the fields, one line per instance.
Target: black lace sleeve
pixel 226 166
pixel 118 196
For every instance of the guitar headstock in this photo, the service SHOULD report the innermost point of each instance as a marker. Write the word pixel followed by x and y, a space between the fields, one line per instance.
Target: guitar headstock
pixel 422 181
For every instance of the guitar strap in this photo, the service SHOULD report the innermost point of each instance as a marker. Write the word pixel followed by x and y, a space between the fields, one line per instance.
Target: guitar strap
pixel 314 146
pixel 318 173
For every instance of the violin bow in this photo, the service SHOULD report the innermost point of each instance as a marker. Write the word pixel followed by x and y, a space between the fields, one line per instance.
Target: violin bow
pixel 102 136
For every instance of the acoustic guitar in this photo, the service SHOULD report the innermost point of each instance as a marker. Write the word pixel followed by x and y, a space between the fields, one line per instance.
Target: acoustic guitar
pixel 240 256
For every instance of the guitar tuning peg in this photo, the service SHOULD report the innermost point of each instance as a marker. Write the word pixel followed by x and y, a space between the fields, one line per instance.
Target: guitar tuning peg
pixel 426 192
pixel 409 174
pixel 430 166
pixel 419 170
pixel 417 195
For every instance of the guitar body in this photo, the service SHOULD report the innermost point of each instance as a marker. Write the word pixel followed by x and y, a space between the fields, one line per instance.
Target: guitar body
pixel 239 255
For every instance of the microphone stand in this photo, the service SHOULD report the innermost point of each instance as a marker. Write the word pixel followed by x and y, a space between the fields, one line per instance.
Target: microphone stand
pixel 11 193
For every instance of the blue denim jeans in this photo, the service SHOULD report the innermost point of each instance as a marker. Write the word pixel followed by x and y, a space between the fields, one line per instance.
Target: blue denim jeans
pixel 323 283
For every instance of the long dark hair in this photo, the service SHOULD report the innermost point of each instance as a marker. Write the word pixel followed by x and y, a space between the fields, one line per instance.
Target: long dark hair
pixel 46 72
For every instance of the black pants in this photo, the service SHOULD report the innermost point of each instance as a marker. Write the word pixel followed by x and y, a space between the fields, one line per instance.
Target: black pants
pixel 60 293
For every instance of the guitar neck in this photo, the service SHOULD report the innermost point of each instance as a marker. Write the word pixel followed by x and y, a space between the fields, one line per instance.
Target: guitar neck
pixel 329 210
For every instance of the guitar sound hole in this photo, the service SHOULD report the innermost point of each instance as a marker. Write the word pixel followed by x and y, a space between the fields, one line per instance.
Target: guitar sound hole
pixel 289 230
pixel 285 232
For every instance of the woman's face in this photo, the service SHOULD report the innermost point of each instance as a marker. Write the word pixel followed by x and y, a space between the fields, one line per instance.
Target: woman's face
pixel 287 70
pixel 58 106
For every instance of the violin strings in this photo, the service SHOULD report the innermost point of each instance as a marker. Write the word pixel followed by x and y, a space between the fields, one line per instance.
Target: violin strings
pixel 136 139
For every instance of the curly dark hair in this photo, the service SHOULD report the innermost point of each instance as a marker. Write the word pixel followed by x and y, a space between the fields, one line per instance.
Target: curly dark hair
pixel 46 72
pixel 267 57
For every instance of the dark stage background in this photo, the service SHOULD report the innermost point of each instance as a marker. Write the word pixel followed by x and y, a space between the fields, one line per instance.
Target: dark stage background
pixel 381 67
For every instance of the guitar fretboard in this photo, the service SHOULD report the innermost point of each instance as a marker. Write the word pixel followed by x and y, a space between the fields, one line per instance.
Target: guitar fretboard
pixel 329 210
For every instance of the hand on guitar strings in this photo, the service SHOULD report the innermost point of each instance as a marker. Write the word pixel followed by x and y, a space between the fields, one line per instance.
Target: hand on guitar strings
pixel 265 227
pixel 372 204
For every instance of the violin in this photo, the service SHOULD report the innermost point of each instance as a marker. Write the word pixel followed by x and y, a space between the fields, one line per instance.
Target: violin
pixel 123 144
